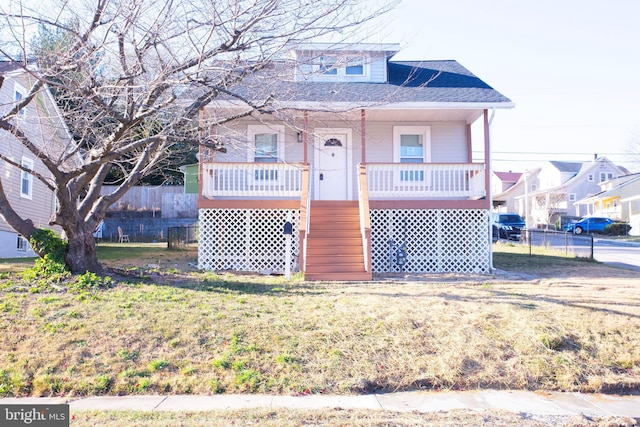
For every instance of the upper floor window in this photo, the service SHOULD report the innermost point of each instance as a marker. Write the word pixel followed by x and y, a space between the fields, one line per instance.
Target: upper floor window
pixel 590 177
pixel 354 67
pixel 349 65
pixel 605 176
pixel 26 181
pixel 19 92
pixel 572 197
pixel 328 65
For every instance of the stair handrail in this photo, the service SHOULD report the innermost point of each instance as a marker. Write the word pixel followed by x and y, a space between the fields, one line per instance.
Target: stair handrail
pixel 365 216
pixel 305 215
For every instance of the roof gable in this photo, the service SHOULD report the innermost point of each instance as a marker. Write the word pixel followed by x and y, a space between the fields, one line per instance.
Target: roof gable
pixel 568 167
pixel 508 176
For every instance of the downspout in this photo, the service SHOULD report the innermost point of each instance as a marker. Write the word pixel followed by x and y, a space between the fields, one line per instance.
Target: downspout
pixel 488 183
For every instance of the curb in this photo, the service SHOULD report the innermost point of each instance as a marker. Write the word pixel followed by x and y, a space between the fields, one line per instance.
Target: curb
pixel 529 402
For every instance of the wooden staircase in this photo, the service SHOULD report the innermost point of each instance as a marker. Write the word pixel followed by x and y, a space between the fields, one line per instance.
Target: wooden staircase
pixel 334 243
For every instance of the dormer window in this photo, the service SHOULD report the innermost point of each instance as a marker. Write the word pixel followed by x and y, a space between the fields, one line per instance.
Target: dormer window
pixel 355 67
pixel 328 65
pixel 344 65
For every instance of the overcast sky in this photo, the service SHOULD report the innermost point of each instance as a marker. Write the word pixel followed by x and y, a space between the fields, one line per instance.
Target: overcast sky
pixel 572 68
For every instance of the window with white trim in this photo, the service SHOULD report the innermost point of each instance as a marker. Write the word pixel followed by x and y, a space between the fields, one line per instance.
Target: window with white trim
pixel 327 65
pixel 605 176
pixel 591 177
pixel 26 179
pixel 412 144
pixel 22 245
pixel 572 197
pixel 344 65
pixel 19 92
pixel 266 145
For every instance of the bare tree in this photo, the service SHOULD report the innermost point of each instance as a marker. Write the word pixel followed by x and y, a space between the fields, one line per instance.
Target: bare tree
pixel 131 78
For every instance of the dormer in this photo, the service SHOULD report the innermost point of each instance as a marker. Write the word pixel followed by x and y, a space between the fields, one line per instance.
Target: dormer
pixel 341 62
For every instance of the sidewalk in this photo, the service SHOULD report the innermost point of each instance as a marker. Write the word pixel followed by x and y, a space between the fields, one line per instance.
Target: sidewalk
pixel 534 403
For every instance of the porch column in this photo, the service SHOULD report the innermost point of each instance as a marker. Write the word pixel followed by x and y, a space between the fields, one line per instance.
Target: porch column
pixel 487 160
pixel 305 136
pixel 469 145
pixel 200 156
pixel 363 136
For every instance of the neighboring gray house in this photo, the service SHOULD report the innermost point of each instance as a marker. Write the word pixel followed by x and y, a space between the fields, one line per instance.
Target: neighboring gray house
pixel 554 190
pixel 372 166
pixel 42 123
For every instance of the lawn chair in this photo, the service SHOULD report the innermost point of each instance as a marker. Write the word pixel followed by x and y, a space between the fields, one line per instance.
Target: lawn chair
pixel 122 238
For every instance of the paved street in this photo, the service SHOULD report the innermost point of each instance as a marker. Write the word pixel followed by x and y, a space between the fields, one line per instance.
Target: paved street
pixel 616 253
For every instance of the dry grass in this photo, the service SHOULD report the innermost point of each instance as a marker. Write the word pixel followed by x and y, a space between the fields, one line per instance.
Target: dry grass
pixel 166 328
pixel 333 417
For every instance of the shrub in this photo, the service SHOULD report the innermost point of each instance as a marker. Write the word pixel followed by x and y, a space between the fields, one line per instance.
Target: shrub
pixel 617 229
pixel 46 242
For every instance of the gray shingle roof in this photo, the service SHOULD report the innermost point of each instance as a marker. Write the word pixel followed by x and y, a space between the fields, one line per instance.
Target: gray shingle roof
pixel 567 166
pixel 425 81
pixel 408 82
pixel 8 66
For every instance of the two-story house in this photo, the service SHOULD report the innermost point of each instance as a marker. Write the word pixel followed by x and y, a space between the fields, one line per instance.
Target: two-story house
pixel 618 199
pixel 42 124
pixel 368 158
pixel 552 192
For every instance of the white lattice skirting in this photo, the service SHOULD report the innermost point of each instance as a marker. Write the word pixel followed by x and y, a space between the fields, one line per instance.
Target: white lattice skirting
pixel 437 241
pixel 245 239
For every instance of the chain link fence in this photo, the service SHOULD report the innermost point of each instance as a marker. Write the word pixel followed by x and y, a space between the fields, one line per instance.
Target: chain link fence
pixel 580 245
pixel 182 237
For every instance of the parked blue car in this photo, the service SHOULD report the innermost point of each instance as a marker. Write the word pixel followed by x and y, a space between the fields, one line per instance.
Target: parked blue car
pixel 589 225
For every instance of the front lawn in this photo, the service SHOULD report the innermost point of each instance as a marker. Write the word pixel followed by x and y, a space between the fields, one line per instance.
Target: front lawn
pixel 167 328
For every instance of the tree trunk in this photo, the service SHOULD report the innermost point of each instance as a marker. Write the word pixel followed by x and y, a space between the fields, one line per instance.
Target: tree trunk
pixel 81 253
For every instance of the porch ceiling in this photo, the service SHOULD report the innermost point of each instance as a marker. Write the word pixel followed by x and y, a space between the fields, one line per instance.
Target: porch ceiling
pixel 411 115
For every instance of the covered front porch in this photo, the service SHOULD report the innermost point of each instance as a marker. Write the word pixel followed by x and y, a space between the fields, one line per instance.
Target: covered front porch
pixel 412 212
pixel 406 217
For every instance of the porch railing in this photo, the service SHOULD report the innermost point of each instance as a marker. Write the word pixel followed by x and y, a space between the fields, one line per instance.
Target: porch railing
pixel 424 180
pixel 252 179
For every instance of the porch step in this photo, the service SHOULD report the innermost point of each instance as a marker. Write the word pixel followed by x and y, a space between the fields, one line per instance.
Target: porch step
pixel 334 243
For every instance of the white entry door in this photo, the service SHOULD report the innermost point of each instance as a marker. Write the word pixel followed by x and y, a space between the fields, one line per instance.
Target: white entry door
pixel 331 172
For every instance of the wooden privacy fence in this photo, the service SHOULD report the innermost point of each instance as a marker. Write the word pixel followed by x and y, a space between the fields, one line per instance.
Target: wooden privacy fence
pixel 170 200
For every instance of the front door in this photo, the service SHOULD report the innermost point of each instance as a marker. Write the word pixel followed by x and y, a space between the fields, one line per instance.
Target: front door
pixel 331 170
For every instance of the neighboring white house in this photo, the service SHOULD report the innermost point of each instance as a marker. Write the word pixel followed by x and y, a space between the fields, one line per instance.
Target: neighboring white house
pixel 372 166
pixel 552 192
pixel 41 122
